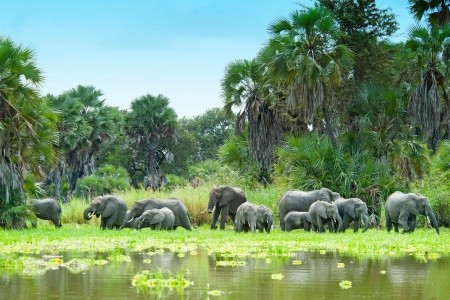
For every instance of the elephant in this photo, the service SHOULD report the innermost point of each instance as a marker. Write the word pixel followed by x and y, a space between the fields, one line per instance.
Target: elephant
pixel 156 218
pixel 353 209
pixel 224 200
pixel 47 209
pixel 175 205
pixel 403 209
pixel 296 220
pixel 250 217
pixel 296 200
pixel 321 212
pixel 131 224
pixel 111 209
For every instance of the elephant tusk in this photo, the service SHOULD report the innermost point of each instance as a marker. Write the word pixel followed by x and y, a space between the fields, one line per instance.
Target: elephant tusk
pixel 130 220
pixel 203 211
pixel 90 214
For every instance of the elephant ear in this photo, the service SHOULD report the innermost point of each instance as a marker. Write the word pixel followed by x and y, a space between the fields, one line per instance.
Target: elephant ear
pixel 109 207
pixel 157 217
pixel 321 211
pixel 411 206
pixel 350 209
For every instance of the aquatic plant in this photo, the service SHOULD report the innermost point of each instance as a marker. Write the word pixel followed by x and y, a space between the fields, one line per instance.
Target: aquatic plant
pixel 148 281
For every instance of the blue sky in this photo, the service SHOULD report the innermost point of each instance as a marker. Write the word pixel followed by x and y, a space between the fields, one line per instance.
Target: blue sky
pixel 129 48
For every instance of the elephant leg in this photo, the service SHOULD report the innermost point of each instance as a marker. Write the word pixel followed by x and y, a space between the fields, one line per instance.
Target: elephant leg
pixel 215 217
pixel 330 224
pixel 158 226
pixel 223 216
pixel 345 222
pixel 412 222
pixel 356 225
pixel 403 220
pixel 103 223
pixel 320 224
pixel 395 227
pixel 388 222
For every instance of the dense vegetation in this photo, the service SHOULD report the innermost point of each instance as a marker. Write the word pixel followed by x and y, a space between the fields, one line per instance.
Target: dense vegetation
pixel 329 101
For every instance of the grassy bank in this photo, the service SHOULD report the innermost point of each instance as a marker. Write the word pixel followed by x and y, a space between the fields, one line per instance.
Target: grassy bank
pixel 46 239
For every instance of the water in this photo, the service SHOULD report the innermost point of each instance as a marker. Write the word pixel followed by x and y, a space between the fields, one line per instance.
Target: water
pixel 317 277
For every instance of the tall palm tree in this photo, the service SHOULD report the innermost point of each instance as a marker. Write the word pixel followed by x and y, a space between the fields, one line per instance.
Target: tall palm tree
pixel 246 84
pixel 430 103
pixel 305 51
pixel 438 11
pixel 24 124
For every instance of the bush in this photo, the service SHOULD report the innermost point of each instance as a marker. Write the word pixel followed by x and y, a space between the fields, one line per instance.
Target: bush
pixel 105 180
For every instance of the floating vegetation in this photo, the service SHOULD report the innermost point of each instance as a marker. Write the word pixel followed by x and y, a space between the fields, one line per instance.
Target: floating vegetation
pixel 383 272
pixel 297 262
pixel 148 281
pixel 231 263
pixel 345 284
pixel 215 293
pixel 278 276
pixel 340 265
pixel 147 261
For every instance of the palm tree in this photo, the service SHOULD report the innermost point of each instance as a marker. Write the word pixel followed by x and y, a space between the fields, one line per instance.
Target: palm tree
pixel 246 84
pixel 25 128
pixel 430 103
pixel 305 52
pixel 438 11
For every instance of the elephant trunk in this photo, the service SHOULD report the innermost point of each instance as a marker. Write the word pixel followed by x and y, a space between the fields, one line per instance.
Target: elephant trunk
pixel 88 213
pixel 366 220
pixel 211 206
pixel 434 223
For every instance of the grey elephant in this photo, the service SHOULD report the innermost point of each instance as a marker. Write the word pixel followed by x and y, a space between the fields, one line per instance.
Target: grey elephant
pixel 47 209
pixel 353 210
pixel 175 205
pixel 111 209
pixel 224 200
pixel 296 220
pixel 321 213
pixel 156 218
pixel 403 209
pixel 296 200
pixel 131 224
pixel 250 217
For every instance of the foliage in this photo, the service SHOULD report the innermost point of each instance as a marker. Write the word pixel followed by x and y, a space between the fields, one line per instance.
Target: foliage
pixel 85 126
pixel 310 163
pixel 437 12
pixel 27 128
pixel 210 130
pixel 105 180
pixel 150 132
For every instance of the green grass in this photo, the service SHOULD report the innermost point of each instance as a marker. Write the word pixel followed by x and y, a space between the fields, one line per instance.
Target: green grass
pixel 87 238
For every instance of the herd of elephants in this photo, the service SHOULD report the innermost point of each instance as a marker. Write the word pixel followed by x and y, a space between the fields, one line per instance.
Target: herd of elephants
pixel 310 210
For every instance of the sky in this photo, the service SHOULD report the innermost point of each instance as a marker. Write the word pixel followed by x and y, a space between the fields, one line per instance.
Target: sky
pixel 130 48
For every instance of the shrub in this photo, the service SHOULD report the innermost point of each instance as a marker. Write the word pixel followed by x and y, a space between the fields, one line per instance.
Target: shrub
pixel 105 180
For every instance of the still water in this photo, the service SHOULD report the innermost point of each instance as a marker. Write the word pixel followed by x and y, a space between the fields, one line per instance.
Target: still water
pixel 306 275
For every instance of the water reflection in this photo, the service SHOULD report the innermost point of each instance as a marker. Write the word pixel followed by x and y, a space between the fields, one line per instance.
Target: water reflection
pixel 318 276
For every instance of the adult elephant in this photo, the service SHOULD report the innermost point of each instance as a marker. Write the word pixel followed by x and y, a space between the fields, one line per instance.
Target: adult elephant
pixel 111 209
pixel 224 200
pixel 296 200
pixel 175 205
pixel 250 217
pixel 131 224
pixel 321 213
pixel 47 209
pixel 403 209
pixel 296 220
pixel 156 218
pixel 353 210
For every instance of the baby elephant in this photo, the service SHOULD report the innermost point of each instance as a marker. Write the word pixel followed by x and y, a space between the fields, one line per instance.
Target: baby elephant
pixel 156 218
pixel 47 209
pixel 296 220
pixel 250 217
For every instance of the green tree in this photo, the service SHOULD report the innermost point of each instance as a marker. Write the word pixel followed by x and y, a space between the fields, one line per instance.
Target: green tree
pixel 150 130
pixel 210 130
pixel 437 11
pixel 26 129
pixel 430 103
pixel 86 125
pixel 246 84
pixel 306 53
